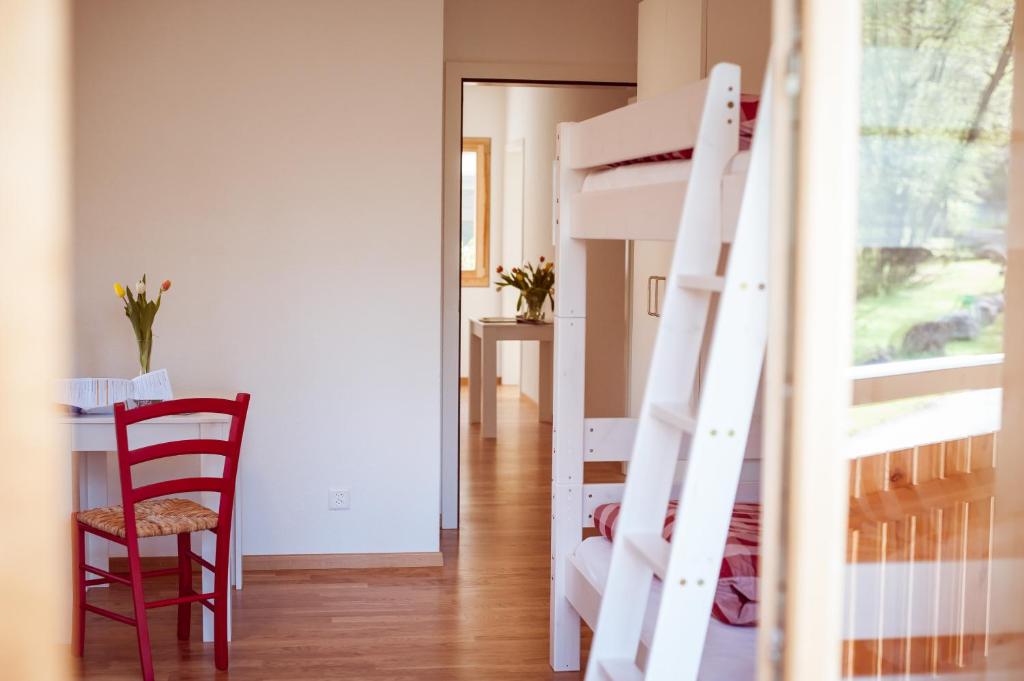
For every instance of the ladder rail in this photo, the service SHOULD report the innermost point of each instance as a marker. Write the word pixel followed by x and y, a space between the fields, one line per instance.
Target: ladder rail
pixel 734 367
pixel 691 563
pixel 672 373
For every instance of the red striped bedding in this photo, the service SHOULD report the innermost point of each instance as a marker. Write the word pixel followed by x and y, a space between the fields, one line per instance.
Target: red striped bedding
pixel 736 596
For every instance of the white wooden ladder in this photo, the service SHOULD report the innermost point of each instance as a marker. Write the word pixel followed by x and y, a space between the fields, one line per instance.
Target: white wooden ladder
pixel 718 420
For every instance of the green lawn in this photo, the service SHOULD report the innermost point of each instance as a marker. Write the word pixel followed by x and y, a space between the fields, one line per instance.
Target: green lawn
pixel 866 416
pixel 937 289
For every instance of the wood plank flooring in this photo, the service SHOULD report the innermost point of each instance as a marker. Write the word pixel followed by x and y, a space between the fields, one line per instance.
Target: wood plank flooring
pixel 484 615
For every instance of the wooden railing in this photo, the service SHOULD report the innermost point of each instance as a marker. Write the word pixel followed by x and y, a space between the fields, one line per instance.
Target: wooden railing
pixel 920 538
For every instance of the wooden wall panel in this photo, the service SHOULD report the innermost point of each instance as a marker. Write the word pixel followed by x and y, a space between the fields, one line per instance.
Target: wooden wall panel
pixel 931 506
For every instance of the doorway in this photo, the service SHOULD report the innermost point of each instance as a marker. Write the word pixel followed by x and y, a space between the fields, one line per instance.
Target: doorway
pixel 505 219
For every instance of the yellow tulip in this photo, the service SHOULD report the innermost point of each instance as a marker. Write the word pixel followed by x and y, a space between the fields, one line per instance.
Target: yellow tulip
pixel 119 290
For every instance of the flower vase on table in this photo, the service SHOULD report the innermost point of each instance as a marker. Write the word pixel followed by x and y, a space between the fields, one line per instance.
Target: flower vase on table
pixel 141 312
pixel 536 286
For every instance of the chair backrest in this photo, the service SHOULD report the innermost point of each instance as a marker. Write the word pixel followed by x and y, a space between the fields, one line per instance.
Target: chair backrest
pixel 229 449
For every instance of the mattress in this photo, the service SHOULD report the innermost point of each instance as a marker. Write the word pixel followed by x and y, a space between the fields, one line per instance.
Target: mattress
pixel 729 652
pixel 654 173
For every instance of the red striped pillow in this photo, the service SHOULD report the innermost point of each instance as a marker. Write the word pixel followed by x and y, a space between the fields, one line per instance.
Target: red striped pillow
pixel 736 596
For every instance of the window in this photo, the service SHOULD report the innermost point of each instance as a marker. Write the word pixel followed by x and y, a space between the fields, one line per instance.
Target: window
pixel 476 209
pixel 934 168
pixel 935 121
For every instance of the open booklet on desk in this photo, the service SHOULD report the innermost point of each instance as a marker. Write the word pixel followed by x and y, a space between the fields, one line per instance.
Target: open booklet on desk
pixel 99 395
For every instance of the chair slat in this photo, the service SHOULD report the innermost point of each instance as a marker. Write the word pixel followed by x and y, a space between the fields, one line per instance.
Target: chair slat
pixel 178 486
pixel 179 448
pixel 205 405
pixel 109 614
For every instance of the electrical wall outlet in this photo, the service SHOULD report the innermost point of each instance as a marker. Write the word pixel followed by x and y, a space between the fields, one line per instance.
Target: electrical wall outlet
pixel 339 499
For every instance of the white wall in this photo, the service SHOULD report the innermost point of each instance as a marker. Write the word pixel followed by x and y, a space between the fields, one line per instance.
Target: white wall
pixel 281 162
pixel 533 113
pixel 588 32
pixel 483 115
pixel 739 31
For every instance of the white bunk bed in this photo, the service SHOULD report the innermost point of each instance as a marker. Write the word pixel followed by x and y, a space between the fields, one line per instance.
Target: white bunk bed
pixel 637 201
pixel 646 201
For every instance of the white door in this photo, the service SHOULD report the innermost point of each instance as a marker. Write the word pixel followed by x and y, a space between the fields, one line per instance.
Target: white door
pixel 511 250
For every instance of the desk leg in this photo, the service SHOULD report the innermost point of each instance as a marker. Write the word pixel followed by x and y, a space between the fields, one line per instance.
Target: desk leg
pixel 92 493
pixel 474 378
pixel 72 493
pixel 209 552
pixel 544 378
pixel 212 466
pixel 236 535
pixel 489 385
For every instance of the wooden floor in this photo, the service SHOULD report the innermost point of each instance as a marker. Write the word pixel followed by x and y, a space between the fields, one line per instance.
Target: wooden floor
pixel 484 615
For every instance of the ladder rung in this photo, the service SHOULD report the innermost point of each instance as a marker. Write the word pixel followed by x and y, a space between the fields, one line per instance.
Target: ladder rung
pixel 653 548
pixel 674 414
pixel 621 670
pixel 705 282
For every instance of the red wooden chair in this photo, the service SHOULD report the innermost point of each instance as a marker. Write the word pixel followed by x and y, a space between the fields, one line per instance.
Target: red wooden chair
pixel 143 515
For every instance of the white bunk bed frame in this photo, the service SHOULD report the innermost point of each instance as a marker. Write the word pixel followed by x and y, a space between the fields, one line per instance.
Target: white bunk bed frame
pixel 646 212
pixel 678 120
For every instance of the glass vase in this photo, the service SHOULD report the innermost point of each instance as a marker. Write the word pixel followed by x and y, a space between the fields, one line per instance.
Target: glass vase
pixel 145 350
pixel 534 309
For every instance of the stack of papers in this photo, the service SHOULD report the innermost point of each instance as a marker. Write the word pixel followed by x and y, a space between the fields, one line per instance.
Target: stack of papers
pixel 99 395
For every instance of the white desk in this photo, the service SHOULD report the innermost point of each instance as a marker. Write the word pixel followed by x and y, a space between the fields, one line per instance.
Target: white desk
pixel 90 441
pixel 483 368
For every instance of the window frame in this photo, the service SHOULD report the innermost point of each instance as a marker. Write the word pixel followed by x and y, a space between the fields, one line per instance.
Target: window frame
pixel 479 277
pixel 888 381
pixel 934 377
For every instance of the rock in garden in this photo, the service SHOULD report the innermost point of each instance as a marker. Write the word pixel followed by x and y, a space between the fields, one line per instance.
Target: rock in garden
pixel 961 325
pixel 987 308
pixel 926 338
pixel 880 356
pixel 993 252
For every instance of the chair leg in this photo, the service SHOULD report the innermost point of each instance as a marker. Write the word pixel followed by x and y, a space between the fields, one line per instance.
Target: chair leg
pixel 78 558
pixel 184 585
pixel 139 603
pixel 220 604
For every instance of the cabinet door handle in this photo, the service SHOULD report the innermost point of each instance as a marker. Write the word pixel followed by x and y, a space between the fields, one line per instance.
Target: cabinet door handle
pixel 653 301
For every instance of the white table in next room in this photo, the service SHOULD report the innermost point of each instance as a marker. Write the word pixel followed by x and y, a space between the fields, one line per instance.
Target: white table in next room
pixel 483 368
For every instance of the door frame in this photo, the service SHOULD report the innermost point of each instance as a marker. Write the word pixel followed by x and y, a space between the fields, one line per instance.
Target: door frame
pixel 455 74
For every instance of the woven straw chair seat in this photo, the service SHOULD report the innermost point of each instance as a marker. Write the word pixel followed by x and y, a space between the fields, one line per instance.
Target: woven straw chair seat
pixel 153 518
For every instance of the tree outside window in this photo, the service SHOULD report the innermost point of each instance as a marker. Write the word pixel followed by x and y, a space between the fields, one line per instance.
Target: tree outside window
pixel 935 133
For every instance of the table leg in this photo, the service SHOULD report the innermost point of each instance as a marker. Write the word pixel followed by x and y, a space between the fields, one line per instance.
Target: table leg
pixel 209 552
pixel 72 492
pixel 92 493
pixel 236 535
pixel 489 384
pixel 212 466
pixel 474 378
pixel 544 378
